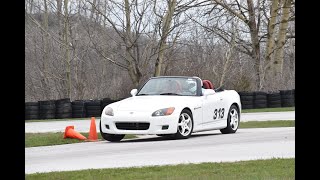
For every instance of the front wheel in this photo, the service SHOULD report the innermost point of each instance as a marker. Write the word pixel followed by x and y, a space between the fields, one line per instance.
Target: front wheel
pixel 232 121
pixel 111 137
pixel 185 125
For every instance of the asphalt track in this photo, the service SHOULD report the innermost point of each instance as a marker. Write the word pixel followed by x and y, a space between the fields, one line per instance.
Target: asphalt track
pixel 210 146
pixel 84 125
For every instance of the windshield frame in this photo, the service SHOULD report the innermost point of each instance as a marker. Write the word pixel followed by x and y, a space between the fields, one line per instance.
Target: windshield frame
pixel 197 79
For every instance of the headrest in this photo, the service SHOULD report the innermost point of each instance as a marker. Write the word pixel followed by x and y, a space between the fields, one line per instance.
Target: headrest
pixel 207 84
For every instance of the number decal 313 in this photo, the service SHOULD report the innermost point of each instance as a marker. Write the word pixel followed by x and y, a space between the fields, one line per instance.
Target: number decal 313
pixel 218 113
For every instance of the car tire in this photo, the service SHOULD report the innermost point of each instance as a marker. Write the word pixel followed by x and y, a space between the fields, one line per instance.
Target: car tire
pixel 111 137
pixel 187 124
pixel 233 120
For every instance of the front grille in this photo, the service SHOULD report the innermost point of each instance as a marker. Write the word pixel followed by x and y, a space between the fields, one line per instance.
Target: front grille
pixel 133 126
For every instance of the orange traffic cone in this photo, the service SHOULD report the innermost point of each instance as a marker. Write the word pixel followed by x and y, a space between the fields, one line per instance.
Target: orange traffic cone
pixel 71 133
pixel 93 136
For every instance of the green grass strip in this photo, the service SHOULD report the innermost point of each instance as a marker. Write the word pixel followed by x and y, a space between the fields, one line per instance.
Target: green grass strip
pixel 283 169
pixel 268 110
pixel 49 139
pixel 267 124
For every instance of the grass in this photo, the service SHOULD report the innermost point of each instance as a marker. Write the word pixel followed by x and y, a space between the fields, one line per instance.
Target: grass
pixel 49 139
pixel 267 124
pixel 256 169
pixel 268 110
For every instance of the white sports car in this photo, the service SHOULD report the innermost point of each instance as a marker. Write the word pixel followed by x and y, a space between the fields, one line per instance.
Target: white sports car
pixel 172 105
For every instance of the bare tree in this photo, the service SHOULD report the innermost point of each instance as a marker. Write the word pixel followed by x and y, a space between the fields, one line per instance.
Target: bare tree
pixel 131 59
pixel 165 29
pixel 228 55
pixel 92 49
pixel 281 39
pixel 276 39
pixel 67 53
pixel 45 39
pixel 253 18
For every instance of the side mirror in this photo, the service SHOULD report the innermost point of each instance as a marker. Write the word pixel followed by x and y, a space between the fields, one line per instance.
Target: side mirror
pixel 134 92
pixel 208 92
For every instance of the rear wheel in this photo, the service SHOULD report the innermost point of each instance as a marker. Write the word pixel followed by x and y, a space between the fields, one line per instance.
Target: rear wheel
pixel 111 137
pixel 185 125
pixel 233 121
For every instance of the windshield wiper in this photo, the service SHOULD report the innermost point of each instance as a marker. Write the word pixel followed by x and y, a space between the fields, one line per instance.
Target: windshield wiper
pixel 170 94
pixel 142 94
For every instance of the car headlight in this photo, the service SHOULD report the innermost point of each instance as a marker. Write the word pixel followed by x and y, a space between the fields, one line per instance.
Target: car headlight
pixel 163 112
pixel 108 111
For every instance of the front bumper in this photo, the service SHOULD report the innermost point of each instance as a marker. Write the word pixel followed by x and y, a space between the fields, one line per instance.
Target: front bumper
pixel 155 127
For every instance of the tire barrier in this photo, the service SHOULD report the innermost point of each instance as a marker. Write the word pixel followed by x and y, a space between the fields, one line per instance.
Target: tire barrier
pixel 246 100
pixel 63 108
pixel 78 109
pixel 260 100
pixel 287 98
pixel 47 109
pixel 93 108
pixel 31 110
pixel 274 100
pixel 294 96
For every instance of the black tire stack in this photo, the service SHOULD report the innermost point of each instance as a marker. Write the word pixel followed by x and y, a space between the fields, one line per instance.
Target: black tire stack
pixel 294 96
pixel 78 109
pixel 93 108
pixel 287 98
pixel 274 100
pixel 63 108
pixel 47 109
pixel 260 100
pixel 31 110
pixel 246 100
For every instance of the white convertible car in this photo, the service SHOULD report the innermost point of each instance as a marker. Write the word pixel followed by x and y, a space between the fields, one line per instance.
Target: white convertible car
pixel 172 105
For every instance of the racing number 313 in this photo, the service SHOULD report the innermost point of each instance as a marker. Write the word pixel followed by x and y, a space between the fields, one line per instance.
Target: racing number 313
pixel 218 113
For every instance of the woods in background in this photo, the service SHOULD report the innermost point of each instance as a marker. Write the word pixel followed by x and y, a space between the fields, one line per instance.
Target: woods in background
pixel 91 49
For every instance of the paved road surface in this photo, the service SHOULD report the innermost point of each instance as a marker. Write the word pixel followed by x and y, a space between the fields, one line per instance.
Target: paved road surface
pixel 84 125
pixel 210 146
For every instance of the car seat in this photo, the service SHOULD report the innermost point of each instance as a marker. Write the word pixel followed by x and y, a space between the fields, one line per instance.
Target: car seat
pixel 207 84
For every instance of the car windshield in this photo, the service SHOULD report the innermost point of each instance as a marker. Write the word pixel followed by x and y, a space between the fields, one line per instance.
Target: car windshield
pixel 178 86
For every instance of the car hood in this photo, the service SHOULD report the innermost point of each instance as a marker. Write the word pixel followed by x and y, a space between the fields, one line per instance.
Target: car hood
pixel 151 103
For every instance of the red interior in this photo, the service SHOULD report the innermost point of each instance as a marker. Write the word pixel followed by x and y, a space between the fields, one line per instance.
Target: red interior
pixel 207 84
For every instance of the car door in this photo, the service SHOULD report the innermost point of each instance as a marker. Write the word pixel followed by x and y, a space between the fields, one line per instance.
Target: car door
pixel 213 112
pixel 222 108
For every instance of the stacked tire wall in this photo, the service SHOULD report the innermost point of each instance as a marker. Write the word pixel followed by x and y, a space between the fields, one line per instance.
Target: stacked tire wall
pixel 274 100
pixel 78 109
pixel 64 108
pixel 93 108
pixel 287 98
pixel 31 110
pixel 260 100
pixel 246 99
pixel 47 109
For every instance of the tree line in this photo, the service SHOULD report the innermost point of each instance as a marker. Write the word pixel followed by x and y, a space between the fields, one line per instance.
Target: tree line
pixel 90 49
